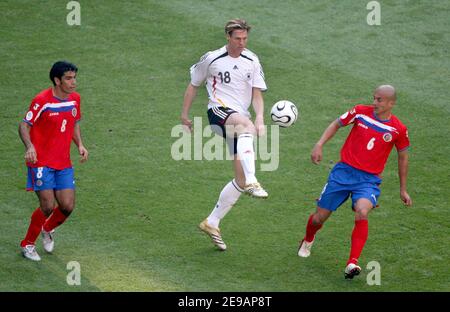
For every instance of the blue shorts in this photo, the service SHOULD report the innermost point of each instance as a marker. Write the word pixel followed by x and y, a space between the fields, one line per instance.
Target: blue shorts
pixel 345 181
pixel 45 178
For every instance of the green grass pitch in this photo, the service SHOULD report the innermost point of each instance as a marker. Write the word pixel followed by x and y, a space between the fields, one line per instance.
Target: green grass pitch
pixel 135 223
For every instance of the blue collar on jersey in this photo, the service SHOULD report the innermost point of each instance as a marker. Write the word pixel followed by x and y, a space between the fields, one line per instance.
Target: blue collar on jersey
pixel 376 117
pixel 60 99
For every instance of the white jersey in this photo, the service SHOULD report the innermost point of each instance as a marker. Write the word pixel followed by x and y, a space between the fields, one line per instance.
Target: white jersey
pixel 229 81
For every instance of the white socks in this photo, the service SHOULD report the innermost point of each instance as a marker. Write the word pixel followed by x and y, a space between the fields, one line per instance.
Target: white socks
pixel 231 192
pixel 228 197
pixel 246 155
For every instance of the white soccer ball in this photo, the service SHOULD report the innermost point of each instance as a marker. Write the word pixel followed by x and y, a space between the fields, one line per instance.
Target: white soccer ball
pixel 284 113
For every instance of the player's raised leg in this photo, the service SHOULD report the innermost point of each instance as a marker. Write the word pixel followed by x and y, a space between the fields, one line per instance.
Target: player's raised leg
pixel 245 131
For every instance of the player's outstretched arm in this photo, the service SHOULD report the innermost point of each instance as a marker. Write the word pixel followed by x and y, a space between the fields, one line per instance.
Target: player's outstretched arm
pixel 189 96
pixel 79 143
pixel 258 106
pixel 330 131
pixel 403 174
pixel 24 133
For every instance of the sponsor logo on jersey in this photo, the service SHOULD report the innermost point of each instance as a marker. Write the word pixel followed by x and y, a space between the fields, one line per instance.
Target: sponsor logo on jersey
pixel 38 182
pixel 249 76
pixel 29 116
pixel 74 112
pixel 387 137
pixel 36 106
pixel 362 125
pixel 54 114
pixel 235 67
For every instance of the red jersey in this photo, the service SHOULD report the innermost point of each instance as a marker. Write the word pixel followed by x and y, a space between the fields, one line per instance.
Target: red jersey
pixel 371 140
pixel 53 121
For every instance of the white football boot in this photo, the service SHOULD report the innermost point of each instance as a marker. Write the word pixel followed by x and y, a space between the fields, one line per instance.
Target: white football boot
pixel 352 270
pixel 304 249
pixel 255 190
pixel 29 252
pixel 48 240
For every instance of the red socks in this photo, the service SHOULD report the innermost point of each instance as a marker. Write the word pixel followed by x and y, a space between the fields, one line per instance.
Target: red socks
pixel 359 238
pixel 37 220
pixel 311 229
pixel 56 218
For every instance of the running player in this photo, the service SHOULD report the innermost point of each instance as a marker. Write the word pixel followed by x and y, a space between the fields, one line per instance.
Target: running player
pixel 363 157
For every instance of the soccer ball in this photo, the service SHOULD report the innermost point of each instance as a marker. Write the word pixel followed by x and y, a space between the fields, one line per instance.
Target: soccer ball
pixel 284 113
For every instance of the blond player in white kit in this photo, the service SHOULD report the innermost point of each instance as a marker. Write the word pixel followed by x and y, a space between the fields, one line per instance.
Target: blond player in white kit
pixel 234 80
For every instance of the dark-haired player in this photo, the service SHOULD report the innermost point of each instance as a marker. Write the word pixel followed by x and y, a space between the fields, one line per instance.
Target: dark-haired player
pixel 49 127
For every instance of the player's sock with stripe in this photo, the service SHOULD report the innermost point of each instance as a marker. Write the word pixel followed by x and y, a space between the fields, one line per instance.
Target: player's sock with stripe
pixel 34 229
pixel 311 229
pixel 228 197
pixel 56 219
pixel 359 238
pixel 246 155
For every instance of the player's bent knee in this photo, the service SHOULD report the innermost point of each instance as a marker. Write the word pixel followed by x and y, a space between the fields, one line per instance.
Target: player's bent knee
pixel 245 127
pixel 321 216
pixel 47 205
pixel 66 211
pixel 318 219
pixel 362 215
pixel 250 128
pixel 47 209
pixel 67 208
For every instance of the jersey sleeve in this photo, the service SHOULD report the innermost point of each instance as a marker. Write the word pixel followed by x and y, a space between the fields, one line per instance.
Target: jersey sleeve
pixel 402 143
pixel 348 117
pixel 199 71
pixel 33 112
pixel 258 77
pixel 78 108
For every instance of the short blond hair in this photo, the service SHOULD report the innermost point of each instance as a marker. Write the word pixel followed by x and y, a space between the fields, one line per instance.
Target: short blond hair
pixel 234 24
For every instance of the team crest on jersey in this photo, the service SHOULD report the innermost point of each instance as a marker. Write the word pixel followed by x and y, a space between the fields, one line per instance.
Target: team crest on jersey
pixel 387 137
pixel 38 182
pixel 74 112
pixel 249 76
pixel 29 116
